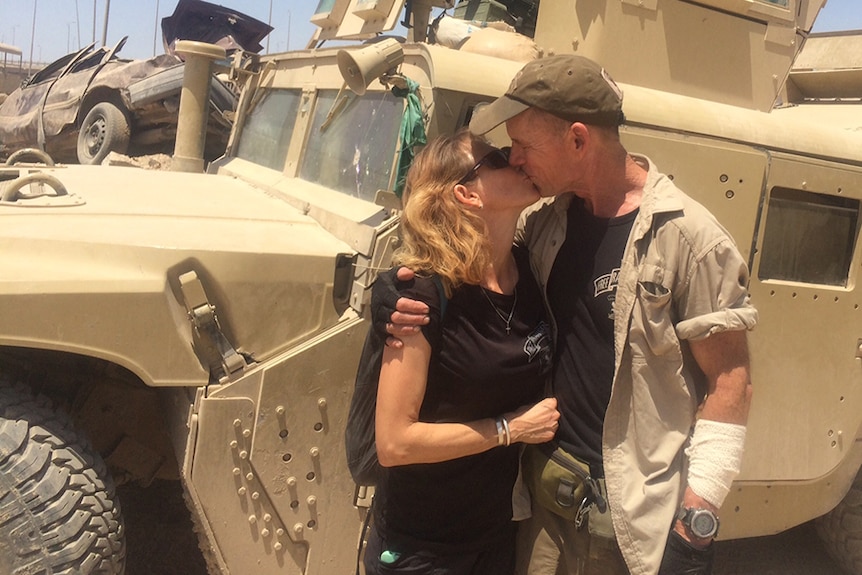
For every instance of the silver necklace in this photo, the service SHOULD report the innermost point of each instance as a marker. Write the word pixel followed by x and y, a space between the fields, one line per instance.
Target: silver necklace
pixel 503 317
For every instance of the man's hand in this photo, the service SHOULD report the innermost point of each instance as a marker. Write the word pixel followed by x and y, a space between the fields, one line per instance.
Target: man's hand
pixel 685 553
pixel 693 500
pixel 393 315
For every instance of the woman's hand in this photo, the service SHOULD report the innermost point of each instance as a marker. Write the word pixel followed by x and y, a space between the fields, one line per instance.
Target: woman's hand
pixel 534 423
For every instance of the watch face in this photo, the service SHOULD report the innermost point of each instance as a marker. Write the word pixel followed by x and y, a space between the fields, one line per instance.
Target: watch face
pixel 703 523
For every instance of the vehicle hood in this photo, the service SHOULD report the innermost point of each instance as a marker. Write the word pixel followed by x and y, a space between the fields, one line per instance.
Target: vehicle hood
pixel 121 205
pixel 205 22
pixel 107 259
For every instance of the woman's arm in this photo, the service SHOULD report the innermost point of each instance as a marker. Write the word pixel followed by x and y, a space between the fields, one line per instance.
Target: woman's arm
pixel 402 439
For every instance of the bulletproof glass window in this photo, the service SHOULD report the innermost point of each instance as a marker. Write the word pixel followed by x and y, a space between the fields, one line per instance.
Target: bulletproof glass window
pixel 809 237
pixel 268 128
pixel 324 6
pixel 352 143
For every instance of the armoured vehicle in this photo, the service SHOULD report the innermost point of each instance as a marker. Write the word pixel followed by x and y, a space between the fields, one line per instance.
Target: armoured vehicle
pixel 207 327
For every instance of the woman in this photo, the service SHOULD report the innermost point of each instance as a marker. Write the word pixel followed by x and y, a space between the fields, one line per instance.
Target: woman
pixel 454 400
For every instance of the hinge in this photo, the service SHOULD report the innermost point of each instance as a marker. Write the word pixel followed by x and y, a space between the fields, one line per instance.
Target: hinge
pixel 202 315
pixel 781 34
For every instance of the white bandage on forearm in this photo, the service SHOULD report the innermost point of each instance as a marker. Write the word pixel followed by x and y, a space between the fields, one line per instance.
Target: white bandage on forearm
pixel 714 458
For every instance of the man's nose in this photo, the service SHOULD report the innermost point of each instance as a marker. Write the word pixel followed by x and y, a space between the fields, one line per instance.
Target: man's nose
pixel 516 156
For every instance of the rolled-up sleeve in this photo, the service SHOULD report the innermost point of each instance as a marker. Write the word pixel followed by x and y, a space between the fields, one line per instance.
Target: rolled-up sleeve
pixel 715 297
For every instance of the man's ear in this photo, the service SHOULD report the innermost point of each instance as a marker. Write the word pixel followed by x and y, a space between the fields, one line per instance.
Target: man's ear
pixel 579 135
pixel 467 196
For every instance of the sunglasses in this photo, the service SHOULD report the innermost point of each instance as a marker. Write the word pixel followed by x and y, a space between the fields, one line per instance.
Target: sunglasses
pixel 496 159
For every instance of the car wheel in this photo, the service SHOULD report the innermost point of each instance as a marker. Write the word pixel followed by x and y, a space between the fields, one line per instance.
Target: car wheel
pixel 840 530
pixel 60 513
pixel 105 130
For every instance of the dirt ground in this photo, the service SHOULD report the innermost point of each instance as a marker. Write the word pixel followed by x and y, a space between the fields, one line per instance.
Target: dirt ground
pixel 161 541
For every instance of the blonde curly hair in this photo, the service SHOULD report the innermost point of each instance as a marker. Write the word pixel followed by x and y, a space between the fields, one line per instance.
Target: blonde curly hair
pixel 441 235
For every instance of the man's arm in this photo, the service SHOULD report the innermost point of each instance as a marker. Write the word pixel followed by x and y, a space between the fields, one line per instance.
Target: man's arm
pixel 723 358
pixel 392 314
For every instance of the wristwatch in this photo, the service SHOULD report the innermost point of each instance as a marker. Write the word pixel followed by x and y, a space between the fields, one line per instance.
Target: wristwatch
pixel 703 523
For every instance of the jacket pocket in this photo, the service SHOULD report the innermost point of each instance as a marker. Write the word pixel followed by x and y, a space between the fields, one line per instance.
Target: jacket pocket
pixel 653 332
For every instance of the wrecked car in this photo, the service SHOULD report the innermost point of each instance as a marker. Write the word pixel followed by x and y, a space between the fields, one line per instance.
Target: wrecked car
pixel 92 102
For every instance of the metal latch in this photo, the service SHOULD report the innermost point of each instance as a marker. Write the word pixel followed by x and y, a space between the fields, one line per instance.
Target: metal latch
pixel 203 316
pixel 45 190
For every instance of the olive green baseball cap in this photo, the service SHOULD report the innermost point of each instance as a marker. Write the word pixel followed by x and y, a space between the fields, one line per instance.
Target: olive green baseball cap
pixel 570 87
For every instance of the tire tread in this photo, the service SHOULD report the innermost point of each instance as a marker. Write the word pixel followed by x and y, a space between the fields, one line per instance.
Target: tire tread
pixel 58 505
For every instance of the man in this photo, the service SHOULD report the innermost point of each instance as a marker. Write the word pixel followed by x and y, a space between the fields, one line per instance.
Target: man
pixel 649 302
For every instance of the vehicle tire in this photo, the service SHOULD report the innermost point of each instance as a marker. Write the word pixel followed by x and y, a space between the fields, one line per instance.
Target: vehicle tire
pixel 841 530
pixel 59 509
pixel 105 129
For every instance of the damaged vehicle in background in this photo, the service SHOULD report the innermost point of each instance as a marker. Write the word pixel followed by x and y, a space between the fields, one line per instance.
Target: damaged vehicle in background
pixel 89 103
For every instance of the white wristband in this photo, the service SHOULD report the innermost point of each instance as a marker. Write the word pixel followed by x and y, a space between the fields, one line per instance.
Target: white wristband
pixel 714 458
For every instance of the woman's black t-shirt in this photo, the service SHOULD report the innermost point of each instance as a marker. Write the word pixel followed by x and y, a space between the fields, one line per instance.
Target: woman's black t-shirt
pixel 477 370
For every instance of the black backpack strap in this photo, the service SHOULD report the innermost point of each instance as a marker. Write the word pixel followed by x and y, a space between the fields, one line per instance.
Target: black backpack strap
pixel 444 301
pixel 364 534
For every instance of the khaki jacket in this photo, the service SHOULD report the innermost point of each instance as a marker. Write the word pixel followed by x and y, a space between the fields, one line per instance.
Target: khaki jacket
pixel 682 278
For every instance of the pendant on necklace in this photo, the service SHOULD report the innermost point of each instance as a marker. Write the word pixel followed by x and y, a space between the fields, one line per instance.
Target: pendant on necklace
pixel 506 319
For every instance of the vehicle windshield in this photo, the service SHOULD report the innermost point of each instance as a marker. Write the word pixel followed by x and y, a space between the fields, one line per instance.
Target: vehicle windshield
pixel 268 128
pixel 351 143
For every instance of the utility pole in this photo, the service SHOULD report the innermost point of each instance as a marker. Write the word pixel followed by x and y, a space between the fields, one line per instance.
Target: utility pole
pixel 68 36
pixel 32 37
pixel 155 28
pixel 105 29
pixel 270 23
pixel 78 22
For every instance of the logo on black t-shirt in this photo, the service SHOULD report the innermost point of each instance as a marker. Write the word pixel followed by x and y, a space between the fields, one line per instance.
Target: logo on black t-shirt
pixel 538 343
pixel 607 283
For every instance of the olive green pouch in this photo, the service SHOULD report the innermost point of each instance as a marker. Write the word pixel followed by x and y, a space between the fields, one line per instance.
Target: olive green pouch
pixel 556 479
pixel 598 520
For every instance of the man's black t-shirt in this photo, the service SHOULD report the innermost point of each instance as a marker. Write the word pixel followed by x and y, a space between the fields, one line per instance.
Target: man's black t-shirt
pixel 581 290
pixel 477 370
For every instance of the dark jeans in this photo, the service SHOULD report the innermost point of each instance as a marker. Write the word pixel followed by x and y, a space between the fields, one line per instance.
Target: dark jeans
pixel 682 558
pixel 499 560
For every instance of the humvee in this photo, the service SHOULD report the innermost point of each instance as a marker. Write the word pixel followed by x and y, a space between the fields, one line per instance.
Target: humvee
pixel 206 327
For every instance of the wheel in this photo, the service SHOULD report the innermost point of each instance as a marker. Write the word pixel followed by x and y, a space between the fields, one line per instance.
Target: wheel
pixel 841 530
pixel 105 130
pixel 59 510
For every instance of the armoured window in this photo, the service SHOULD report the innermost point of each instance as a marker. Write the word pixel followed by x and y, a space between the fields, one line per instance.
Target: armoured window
pixel 351 147
pixel 809 237
pixel 324 6
pixel 268 129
